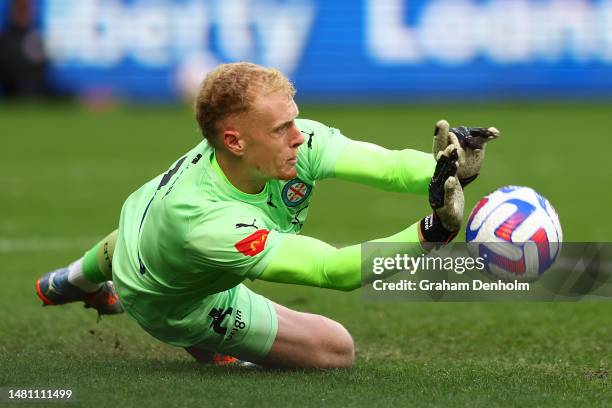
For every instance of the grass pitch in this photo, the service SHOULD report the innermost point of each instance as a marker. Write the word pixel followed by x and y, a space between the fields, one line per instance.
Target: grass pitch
pixel 65 171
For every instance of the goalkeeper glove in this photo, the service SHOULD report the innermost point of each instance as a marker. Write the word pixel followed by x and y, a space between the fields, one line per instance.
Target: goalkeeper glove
pixel 470 143
pixel 446 200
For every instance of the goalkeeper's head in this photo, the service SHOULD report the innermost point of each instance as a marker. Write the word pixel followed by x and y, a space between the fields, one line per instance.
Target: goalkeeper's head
pixel 247 113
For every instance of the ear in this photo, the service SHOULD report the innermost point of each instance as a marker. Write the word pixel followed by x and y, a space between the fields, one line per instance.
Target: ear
pixel 233 142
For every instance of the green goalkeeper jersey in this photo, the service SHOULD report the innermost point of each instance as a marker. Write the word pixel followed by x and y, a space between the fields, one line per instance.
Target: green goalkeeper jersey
pixel 189 233
pixel 188 237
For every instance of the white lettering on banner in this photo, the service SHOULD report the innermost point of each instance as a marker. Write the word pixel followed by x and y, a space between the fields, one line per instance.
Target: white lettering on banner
pixel 509 40
pixel 151 34
pixel 162 33
pixel 81 31
pixel 189 26
pixel 284 31
pixel 447 33
pixel 387 38
pixel 606 21
pixel 235 30
pixel 503 31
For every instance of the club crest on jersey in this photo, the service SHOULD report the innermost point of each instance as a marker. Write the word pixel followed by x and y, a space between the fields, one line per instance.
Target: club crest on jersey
pixel 254 243
pixel 295 192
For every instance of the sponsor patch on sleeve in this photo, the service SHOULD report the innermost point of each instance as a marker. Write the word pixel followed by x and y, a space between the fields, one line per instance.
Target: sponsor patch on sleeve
pixel 254 243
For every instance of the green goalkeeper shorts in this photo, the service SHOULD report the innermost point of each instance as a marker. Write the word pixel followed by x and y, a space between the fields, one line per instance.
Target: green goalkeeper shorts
pixel 245 329
pixel 237 322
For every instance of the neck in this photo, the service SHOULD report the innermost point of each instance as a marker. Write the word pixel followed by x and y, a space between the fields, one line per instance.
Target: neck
pixel 238 174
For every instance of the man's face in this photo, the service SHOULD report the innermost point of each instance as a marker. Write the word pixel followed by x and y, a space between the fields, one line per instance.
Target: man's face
pixel 271 137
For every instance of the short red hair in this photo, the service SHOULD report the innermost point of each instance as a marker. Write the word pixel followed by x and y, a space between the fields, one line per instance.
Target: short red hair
pixel 231 89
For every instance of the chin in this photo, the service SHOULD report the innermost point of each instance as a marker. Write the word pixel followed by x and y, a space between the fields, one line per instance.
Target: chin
pixel 288 175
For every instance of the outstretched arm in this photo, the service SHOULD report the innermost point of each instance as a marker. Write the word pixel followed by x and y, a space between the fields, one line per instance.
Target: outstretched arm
pixel 330 154
pixel 392 170
pixel 308 261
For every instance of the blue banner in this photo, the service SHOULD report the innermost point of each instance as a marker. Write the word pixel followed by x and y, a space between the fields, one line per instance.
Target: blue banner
pixel 160 49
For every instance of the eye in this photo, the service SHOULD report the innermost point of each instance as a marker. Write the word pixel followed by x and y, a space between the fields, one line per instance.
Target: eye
pixel 283 129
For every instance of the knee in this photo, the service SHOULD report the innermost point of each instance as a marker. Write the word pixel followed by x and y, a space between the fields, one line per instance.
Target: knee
pixel 338 350
pixel 345 351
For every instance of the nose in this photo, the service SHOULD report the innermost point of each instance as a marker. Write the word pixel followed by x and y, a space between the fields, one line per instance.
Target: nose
pixel 297 138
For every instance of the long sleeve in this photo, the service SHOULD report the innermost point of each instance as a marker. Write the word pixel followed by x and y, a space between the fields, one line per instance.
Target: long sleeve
pixel 392 170
pixel 308 261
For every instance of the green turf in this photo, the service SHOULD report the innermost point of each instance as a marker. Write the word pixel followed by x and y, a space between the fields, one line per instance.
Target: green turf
pixel 65 171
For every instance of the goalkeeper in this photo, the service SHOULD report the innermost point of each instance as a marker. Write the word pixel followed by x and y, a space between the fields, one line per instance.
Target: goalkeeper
pixel 231 209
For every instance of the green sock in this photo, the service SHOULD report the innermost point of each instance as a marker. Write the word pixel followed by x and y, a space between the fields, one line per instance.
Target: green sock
pixel 97 262
pixel 91 270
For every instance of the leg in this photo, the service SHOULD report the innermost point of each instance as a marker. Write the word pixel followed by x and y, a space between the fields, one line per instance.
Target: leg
pixel 248 326
pixel 307 340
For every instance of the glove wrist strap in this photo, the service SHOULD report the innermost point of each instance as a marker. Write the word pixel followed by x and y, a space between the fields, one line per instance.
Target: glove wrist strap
pixel 465 181
pixel 433 231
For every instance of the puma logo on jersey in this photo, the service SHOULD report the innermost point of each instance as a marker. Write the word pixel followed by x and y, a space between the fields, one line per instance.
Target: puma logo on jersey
pixel 241 225
pixel 270 203
pixel 310 135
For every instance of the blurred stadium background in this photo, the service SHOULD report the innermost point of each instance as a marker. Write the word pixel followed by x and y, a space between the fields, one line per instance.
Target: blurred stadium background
pixel 401 49
pixel 95 99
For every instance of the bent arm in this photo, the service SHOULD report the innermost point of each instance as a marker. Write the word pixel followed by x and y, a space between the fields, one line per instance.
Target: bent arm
pixel 308 261
pixel 392 170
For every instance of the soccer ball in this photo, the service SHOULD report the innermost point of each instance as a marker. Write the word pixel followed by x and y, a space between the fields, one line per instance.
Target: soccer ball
pixel 517 233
